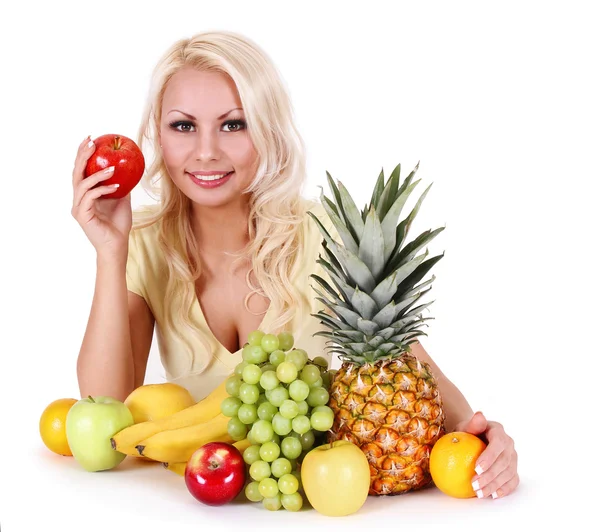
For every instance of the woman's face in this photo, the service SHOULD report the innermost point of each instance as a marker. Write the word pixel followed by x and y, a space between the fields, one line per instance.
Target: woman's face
pixel 205 144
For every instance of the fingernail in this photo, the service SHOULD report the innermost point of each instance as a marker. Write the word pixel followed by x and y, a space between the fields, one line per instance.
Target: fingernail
pixel 115 185
pixel 90 144
pixel 109 170
pixel 494 495
pixel 475 485
pixel 479 494
pixel 478 469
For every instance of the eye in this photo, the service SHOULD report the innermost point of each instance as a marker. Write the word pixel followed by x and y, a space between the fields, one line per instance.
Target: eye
pixel 182 123
pixel 234 125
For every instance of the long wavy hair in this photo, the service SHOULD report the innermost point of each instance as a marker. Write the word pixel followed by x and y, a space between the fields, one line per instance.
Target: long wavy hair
pixel 276 210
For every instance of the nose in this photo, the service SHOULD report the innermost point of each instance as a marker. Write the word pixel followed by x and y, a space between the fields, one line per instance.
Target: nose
pixel 207 146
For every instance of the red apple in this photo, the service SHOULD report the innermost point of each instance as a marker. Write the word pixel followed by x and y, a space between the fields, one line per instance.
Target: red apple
pixel 216 473
pixel 122 153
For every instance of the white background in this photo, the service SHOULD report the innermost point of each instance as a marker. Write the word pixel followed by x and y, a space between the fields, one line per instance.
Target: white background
pixel 498 102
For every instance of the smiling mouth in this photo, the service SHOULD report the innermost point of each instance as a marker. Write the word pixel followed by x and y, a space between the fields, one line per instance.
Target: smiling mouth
pixel 214 177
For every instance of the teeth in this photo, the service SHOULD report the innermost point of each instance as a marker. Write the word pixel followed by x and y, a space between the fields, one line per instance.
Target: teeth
pixel 210 177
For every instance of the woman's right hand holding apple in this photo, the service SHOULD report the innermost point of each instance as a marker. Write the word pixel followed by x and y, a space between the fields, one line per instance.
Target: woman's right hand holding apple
pixel 105 221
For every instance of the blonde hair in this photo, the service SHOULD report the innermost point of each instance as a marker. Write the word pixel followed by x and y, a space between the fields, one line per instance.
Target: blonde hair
pixel 276 210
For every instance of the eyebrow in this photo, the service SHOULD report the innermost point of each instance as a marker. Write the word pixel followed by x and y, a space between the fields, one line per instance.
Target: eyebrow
pixel 192 117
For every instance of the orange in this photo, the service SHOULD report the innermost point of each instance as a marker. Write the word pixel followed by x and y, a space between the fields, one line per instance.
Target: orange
pixel 452 463
pixel 53 426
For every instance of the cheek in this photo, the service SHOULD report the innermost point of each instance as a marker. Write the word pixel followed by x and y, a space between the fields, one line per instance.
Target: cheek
pixel 243 153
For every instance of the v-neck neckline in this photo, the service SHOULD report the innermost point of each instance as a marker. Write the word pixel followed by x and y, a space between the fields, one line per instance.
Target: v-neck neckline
pixel 220 346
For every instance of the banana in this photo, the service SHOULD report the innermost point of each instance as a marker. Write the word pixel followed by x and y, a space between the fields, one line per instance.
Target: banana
pixel 177 445
pixel 176 467
pixel 179 467
pixel 127 439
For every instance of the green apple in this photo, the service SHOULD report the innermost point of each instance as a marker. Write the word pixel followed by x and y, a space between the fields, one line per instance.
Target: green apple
pixel 336 478
pixel 91 423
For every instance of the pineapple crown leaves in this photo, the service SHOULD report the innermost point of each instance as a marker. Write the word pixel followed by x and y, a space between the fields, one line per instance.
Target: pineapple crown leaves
pixel 374 269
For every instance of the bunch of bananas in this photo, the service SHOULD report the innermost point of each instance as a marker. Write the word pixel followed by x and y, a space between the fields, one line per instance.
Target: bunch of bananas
pixel 173 440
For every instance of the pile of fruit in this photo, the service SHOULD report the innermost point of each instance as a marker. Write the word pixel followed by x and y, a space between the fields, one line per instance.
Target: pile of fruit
pixel 282 425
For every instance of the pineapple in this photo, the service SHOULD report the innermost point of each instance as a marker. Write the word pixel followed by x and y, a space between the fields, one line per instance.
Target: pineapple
pixel 384 399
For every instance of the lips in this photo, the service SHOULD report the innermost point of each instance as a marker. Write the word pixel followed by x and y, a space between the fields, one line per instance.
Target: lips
pixel 209 180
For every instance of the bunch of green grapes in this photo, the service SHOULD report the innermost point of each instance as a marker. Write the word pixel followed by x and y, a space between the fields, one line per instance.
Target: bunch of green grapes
pixel 278 400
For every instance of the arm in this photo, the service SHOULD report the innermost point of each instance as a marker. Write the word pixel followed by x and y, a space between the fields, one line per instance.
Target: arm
pixel 455 405
pixel 496 470
pixel 115 348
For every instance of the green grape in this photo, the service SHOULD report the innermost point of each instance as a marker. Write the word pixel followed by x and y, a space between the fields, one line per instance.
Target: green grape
pixel 268 487
pixel 251 374
pixel 252 493
pixel 317 384
pixel 262 431
pixel 310 374
pixel 287 372
pixel 299 390
pixel 255 355
pixel 302 408
pixel 249 393
pixel 301 424
pixel 321 421
pixel 322 408
pixel 298 357
pixel 269 343
pixel 251 454
pixel 286 341
pixel 232 385
pixel 269 451
pixel 260 470
pixel 255 337
pixel 268 367
pixel 277 357
pixel 294 464
pixel 236 429
pixel 290 447
pixel 281 425
pixel 328 377
pixel 298 476
pixel 272 503
pixel 269 380
pixel 316 397
pixel 250 437
pixel 280 467
pixel 230 406
pixel 266 411
pixel 287 484
pixel 247 414
pixel 307 440
pixel 239 368
pixel 262 398
pixel 277 396
pixel 246 352
pixel 292 502
pixel 289 409
pixel 321 362
pixel 276 439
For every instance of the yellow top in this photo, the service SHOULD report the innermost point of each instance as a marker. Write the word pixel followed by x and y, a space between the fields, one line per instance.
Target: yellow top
pixel 146 276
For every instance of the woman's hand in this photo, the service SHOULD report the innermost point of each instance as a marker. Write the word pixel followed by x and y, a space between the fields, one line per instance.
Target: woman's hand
pixel 497 465
pixel 105 221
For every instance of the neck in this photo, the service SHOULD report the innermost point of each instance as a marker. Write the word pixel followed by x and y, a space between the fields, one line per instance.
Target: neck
pixel 222 229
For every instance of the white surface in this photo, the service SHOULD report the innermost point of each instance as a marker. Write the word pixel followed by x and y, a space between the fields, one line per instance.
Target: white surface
pixel 500 104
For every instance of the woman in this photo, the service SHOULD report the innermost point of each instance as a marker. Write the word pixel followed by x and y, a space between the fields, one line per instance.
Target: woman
pixel 228 249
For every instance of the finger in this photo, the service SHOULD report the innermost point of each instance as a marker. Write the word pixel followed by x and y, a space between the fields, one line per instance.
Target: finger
pixel 498 475
pixel 90 182
pixel 83 154
pixel 507 488
pixel 498 441
pixel 87 202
